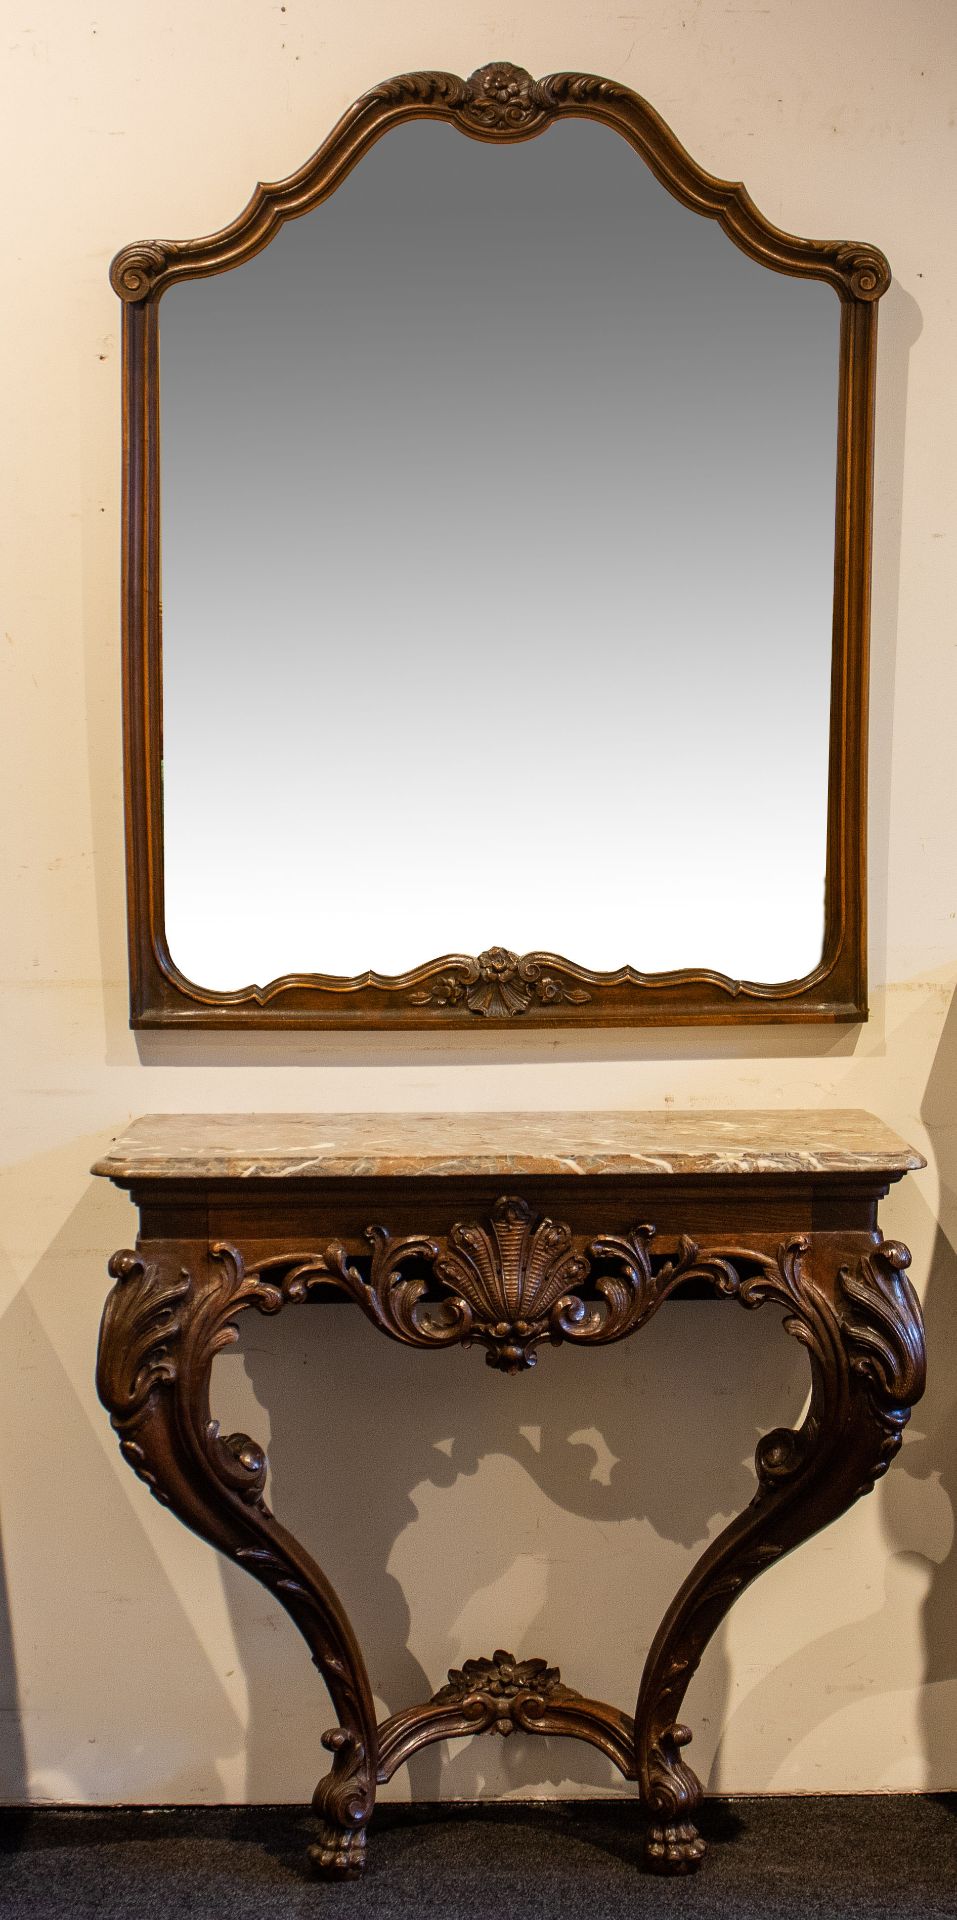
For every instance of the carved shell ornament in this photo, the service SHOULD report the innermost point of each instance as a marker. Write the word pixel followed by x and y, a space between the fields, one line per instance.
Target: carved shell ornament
pixel 511 1273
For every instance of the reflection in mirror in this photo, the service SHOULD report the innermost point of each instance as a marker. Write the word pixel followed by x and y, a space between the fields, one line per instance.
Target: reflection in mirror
pixel 498 502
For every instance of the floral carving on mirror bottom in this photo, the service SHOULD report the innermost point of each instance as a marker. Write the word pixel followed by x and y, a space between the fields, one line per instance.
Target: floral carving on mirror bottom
pixel 499 985
pixel 510 1281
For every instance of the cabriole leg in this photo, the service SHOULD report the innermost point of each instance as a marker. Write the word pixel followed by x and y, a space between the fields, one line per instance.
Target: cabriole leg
pixel 861 1324
pixel 172 1309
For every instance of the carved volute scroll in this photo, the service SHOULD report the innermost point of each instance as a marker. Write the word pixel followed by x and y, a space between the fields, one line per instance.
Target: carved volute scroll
pixel 499 103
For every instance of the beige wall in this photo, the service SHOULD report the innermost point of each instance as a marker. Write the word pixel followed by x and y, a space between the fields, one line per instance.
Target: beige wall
pixel 556 1514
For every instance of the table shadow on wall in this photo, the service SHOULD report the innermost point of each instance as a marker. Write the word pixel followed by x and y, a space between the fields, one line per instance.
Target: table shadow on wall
pixel 377 1453
pixel 109 1654
pixel 867 1655
pixel 13 1764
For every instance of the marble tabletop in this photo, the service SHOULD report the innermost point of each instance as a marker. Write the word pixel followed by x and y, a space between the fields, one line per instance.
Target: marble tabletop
pixel 384 1145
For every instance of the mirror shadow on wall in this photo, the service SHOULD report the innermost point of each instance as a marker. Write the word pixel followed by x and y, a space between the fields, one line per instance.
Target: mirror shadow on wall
pixel 901 325
pixel 395 1469
pixel 934 1457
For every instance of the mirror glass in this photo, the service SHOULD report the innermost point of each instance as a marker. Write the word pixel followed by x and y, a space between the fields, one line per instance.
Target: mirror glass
pixel 498 502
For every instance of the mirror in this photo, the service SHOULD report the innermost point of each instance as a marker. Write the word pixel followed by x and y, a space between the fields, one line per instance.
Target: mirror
pixel 501 595
pixel 431 467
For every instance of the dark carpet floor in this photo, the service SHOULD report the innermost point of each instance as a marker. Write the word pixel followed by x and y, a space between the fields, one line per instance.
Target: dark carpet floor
pixel 863 1858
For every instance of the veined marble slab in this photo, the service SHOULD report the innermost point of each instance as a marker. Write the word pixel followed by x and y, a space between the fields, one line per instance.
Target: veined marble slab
pixel 302 1146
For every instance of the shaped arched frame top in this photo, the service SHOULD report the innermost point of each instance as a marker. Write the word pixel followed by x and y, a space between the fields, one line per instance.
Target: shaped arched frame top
pixel 499 102
pixel 503 104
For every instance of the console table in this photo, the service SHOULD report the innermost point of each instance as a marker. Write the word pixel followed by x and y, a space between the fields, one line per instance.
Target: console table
pixel 509 1231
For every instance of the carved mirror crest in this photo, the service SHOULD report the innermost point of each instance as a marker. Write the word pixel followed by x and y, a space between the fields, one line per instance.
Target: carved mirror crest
pixel 495 622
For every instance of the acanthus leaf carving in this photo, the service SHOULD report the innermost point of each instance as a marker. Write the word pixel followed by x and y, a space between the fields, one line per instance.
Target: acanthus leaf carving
pixel 430 88
pixel 391 1299
pixel 142 1324
pixel 157 1329
pixel 885 1341
pixel 583 89
pixel 884 1336
pixel 633 1290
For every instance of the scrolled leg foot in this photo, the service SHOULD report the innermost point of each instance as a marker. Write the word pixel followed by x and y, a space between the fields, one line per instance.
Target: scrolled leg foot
pixel 343 1804
pixel 676 1847
pixel 671 1792
pixel 336 1854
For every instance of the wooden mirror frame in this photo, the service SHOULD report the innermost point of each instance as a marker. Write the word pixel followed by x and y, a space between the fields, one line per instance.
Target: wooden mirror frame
pixel 499 103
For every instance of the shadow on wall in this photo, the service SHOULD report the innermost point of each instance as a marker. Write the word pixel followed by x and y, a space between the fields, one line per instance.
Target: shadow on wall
pixel 934 1456
pixel 418 1481
pixel 115 1663
pixel 856 1653
pixel 13 1763
pixel 900 327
